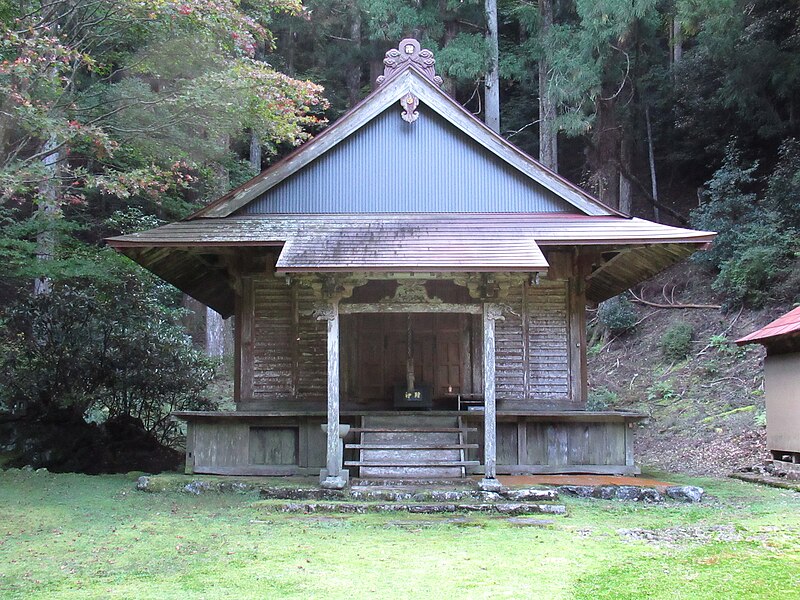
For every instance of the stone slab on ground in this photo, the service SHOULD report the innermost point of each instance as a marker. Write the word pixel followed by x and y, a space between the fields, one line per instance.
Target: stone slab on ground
pixel 502 508
pixel 581 479
pixel 770 480
pixel 531 522
pixel 685 493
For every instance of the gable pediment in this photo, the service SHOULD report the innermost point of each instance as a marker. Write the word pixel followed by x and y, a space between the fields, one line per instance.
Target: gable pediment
pixel 445 147
pixel 392 166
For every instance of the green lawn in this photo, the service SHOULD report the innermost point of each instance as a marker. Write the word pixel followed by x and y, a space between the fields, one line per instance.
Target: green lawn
pixel 75 536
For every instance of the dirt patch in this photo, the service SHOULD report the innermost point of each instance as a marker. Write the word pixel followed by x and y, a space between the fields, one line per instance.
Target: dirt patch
pixel 674 536
pixel 705 453
pixel 707 413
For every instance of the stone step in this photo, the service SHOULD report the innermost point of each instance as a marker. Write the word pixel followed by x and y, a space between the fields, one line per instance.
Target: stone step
pixel 403 420
pixel 415 483
pixel 410 492
pixel 501 508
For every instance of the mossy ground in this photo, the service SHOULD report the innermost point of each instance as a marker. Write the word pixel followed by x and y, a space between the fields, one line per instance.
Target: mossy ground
pixel 76 536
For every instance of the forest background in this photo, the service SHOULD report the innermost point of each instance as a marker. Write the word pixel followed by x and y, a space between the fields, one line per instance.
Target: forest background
pixel 118 116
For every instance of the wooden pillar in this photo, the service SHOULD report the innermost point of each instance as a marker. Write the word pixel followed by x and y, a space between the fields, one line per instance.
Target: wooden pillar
pixel 491 313
pixel 245 326
pixel 333 476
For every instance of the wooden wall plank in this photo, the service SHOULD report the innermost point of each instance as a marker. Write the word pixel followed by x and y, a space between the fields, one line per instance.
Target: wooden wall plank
pixel 548 362
pixel 272 338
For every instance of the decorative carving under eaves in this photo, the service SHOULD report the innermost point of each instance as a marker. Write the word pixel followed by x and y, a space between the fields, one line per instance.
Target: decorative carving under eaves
pixel 494 312
pixel 324 312
pixel 411 291
pixel 330 287
pixel 489 286
pixel 409 102
pixel 408 53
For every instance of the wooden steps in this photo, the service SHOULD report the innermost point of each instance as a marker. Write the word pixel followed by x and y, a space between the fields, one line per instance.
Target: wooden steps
pixel 430 463
pixel 402 429
pixel 411 447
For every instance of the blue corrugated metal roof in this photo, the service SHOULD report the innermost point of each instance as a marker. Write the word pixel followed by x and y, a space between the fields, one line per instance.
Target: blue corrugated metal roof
pixel 391 166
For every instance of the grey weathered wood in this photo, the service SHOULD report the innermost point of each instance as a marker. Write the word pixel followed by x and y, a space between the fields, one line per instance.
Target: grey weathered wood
pixel 592 442
pixel 391 307
pixel 255 470
pixel 331 314
pixel 491 313
pixel 477 352
pixel 628 431
pixel 530 415
pixel 506 443
pixel 417 463
pixel 411 446
pixel 189 465
pixel 244 331
pixel 317 443
pixel 406 429
pixel 466 356
pixel 273 446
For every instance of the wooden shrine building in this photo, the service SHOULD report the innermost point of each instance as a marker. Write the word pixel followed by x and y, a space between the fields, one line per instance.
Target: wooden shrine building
pixel 781 338
pixel 416 282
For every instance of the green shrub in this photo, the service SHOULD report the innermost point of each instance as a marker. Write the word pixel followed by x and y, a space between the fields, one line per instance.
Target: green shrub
pixel 601 399
pixel 749 276
pixel 662 390
pixel 757 242
pixel 103 350
pixel 676 343
pixel 617 315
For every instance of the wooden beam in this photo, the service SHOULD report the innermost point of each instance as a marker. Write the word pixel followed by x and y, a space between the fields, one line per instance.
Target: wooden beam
pixel 388 307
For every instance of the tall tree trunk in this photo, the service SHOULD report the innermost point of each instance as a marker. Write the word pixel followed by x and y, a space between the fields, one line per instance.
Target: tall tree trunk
pixel 492 81
pixel 255 152
pixel 451 30
pixel 215 325
pixel 652 161
pixel 215 337
pixel 677 41
pixel 353 76
pixel 48 211
pixel 605 154
pixel 287 43
pixel 375 70
pixel 548 133
pixel 625 190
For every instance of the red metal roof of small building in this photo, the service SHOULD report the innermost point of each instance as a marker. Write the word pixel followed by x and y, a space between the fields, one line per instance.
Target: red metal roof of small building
pixel 787 325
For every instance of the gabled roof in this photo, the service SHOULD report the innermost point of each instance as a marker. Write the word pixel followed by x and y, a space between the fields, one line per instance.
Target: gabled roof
pixel 783 327
pixel 180 252
pixel 197 255
pixel 407 80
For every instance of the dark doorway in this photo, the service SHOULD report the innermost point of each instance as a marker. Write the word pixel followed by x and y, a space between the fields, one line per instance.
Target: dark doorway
pixel 376 348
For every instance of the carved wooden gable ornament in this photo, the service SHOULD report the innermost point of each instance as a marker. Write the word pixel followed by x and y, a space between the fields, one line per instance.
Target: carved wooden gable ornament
pixel 409 52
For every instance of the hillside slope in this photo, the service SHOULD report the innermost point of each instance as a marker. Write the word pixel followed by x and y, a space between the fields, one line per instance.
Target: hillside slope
pixel 707 410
